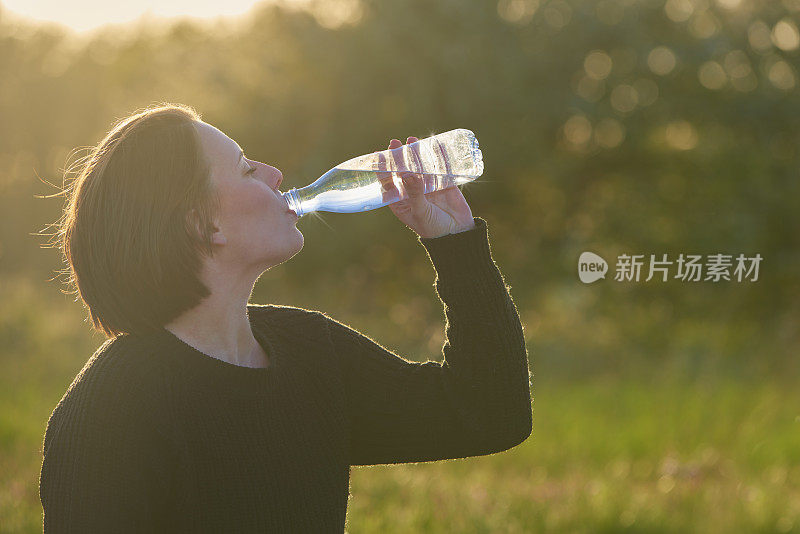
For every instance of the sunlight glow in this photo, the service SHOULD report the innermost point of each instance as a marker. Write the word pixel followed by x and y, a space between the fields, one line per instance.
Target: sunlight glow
pixel 83 15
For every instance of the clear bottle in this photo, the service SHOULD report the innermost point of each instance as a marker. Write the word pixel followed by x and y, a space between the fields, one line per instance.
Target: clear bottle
pixel 374 180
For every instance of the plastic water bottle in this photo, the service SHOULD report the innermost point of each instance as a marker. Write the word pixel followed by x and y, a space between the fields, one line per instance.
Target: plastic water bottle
pixel 374 180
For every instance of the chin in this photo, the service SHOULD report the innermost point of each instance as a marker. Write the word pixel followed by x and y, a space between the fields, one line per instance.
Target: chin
pixel 300 243
pixel 289 249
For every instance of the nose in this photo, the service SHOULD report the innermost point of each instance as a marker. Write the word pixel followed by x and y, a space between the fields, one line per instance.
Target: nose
pixel 273 174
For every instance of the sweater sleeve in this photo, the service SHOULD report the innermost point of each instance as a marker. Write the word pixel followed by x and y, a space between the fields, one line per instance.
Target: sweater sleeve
pixel 476 401
pixel 105 466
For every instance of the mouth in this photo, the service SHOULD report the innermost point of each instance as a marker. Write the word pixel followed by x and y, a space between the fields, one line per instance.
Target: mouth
pixel 292 213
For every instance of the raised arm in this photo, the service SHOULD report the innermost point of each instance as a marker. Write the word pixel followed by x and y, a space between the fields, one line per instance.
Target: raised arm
pixel 476 401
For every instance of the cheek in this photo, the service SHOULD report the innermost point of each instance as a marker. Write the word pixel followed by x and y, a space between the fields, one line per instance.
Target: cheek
pixel 247 200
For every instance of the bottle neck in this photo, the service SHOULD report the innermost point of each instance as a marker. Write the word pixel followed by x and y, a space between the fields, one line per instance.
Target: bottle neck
pixel 292 199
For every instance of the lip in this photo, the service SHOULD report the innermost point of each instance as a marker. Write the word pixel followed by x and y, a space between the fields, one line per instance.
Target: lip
pixel 290 212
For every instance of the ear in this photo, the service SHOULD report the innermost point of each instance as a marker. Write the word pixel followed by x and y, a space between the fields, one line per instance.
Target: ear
pixel 217 237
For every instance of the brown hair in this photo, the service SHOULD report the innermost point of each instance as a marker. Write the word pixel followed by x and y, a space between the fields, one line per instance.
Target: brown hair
pixel 137 222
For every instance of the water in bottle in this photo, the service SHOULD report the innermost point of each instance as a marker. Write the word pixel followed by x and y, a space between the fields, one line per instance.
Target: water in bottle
pixel 374 180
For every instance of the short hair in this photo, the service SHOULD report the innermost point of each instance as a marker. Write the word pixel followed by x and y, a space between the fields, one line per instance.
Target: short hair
pixel 138 222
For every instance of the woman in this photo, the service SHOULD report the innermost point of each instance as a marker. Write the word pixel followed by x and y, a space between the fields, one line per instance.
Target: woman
pixel 202 413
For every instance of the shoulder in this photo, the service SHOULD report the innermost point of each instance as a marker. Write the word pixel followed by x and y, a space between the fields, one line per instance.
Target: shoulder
pixel 278 312
pixel 123 363
pixel 306 332
pixel 288 319
pixel 122 380
pixel 310 332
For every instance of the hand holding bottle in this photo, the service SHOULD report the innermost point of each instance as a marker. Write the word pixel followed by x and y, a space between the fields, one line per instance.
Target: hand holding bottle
pixel 434 168
pixel 435 214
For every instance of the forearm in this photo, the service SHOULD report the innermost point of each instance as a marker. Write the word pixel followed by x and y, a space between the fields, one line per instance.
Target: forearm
pixel 486 360
pixel 475 402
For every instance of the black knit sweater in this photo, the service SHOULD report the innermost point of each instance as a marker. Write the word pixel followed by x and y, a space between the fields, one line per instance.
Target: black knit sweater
pixel 155 436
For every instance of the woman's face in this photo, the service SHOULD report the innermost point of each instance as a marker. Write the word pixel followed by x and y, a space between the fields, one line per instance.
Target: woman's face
pixel 254 225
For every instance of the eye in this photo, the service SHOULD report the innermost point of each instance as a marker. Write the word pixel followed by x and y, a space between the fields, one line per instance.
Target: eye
pixel 251 170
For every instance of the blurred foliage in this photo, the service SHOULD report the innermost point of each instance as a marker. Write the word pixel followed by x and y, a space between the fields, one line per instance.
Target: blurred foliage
pixel 617 126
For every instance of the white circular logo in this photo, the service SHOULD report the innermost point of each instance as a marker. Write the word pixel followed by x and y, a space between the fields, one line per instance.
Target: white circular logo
pixel 591 267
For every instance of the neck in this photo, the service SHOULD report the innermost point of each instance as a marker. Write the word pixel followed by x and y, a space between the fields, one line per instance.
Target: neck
pixel 219 325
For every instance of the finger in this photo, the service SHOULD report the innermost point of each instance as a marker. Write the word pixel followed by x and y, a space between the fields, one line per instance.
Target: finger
pixel 394 143
pixel 415 161
pixel 415 189
pixel 397 160
pixel 389 191
pixel 441 154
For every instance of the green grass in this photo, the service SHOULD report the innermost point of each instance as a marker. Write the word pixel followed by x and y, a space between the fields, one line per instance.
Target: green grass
pixel 656 453
pixel 611 456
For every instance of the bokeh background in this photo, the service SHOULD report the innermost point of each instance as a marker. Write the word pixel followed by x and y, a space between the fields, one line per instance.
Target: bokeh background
pixel 614 126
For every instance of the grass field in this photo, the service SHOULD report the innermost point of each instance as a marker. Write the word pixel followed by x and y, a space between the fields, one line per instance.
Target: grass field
pixel 656 453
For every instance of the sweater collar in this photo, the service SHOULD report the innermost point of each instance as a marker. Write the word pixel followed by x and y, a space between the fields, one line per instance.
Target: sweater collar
pixel 214 370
